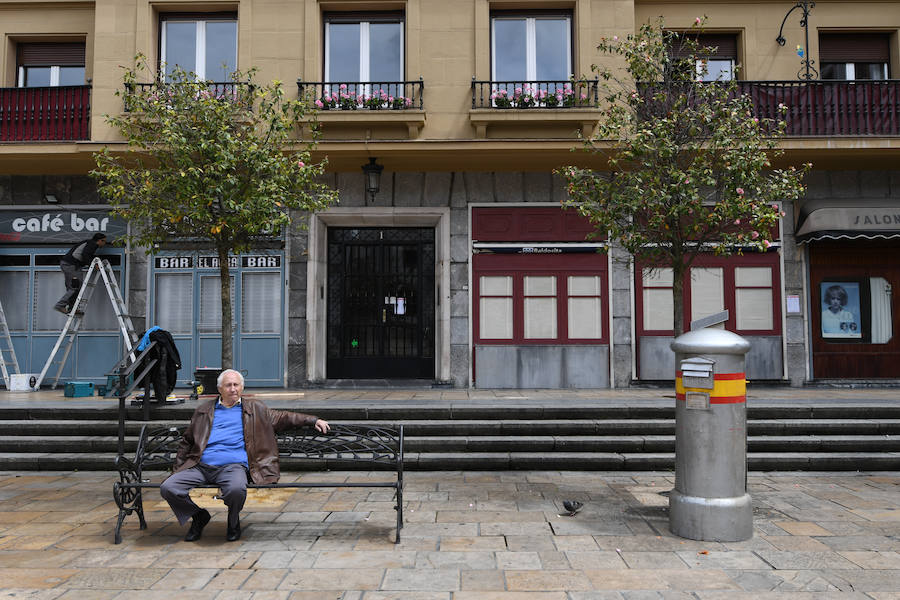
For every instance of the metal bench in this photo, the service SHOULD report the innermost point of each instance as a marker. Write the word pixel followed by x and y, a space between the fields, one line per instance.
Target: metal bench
pixel 379 446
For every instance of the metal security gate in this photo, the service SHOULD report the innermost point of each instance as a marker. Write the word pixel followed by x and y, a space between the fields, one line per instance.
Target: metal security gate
pixel 381 294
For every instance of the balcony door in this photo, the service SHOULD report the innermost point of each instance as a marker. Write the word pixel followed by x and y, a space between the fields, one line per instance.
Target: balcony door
pixel 855 56
pixel 50 64
pixel 363 49
pixel 204 45
pixel 531 47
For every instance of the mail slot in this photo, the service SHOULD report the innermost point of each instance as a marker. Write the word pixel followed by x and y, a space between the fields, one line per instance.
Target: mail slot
pixel 698 372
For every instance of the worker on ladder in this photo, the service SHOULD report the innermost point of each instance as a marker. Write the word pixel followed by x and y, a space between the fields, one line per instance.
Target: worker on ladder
pixel 77 258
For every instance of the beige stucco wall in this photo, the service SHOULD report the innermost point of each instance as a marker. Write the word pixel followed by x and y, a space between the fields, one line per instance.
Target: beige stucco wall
pixel 447 44
pixel 758 23
pixel 51 22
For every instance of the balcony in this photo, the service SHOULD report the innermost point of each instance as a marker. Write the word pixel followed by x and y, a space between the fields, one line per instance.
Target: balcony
pixel 233 91
pixel 518 104
pixel 354 104
pixel 43 114
pixel 829 107
pixel 823 108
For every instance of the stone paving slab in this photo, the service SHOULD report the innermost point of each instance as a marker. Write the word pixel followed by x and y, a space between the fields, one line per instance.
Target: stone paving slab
pixel 468 536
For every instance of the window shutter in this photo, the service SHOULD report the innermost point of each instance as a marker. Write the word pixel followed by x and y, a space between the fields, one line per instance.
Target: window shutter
pixel 260 303
pixel 51 53
pixel 174 302
pixel 725 45
pixel 854 47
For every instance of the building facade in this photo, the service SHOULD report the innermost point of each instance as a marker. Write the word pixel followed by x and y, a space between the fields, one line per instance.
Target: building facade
pixel 461 269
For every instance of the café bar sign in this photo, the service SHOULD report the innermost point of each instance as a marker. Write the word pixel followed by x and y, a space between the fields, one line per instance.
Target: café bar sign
pixel 54 226
pixel 266 261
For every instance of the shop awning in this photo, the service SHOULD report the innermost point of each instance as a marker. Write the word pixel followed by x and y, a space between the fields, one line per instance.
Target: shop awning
pixel 848 220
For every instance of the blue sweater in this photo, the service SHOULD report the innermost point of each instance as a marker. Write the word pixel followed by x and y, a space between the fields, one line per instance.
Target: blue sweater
pixel 226 438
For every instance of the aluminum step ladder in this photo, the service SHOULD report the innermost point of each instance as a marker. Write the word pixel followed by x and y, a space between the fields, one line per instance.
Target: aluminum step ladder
pixel 99 270
pixel 7 351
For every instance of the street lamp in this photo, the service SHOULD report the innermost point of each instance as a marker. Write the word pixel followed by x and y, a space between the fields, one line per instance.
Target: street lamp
pixel 372 173
pixel 805 6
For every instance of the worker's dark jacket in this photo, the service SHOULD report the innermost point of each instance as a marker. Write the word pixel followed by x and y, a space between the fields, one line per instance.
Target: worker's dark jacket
pixel 168 362
pixel 260 425
pixel 87 254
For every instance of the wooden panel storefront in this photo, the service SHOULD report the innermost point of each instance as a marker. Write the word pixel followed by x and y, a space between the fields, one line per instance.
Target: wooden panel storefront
pixel 867 345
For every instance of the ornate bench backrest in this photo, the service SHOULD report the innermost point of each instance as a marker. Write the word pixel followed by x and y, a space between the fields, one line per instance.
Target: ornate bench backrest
pixel 343 442
pixel 159 446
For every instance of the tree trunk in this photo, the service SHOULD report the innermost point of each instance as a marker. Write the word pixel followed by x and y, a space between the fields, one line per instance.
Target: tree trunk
pixel 227 325
pixel 678 296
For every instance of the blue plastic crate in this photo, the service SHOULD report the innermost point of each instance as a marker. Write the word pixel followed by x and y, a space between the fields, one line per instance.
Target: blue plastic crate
pixel 77 389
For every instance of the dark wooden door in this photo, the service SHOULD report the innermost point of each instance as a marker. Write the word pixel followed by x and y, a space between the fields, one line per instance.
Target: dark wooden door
pixel 381 303
pixel 853 266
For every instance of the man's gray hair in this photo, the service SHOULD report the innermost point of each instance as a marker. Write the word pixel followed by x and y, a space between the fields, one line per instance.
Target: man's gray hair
pixel 222 377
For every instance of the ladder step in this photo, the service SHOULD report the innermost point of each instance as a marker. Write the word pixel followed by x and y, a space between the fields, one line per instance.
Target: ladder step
pixel 99 269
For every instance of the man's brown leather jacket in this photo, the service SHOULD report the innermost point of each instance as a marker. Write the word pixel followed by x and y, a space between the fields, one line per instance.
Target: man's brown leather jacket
pixel 260 425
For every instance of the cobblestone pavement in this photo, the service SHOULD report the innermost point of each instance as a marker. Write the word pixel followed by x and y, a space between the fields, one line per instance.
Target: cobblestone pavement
pixel 470 535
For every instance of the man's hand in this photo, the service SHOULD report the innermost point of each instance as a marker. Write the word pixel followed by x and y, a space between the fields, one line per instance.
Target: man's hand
pixel 322 426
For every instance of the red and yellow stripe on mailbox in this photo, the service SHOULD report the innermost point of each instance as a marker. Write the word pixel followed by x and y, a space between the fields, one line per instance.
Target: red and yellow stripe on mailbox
pixel 728 388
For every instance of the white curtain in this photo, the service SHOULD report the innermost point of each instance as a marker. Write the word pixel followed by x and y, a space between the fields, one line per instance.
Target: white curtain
pixel 882 320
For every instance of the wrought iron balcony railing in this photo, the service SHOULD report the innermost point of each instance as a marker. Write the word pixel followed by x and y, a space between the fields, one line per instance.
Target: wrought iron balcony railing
pixel 45 113
pixel 829 107
pixel 235 91
pixel 364 95
pixel 579 93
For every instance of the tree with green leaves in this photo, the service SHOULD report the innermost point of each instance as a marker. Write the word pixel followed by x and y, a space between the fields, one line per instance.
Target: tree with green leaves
pixel 215 163
pixel 685 166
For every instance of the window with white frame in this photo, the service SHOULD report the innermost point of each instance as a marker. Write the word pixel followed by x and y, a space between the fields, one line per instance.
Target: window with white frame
pixel 585 306
pixel 495 307
pixel 718 54
pixel 364 49
pixel 707 292
pixel 539 307
pixel 50 64
pixel 753 298
pixel 530 306
pixel 204 46
pixel 855 56
pixel 526 47
pixel 657 299
pixel 748 291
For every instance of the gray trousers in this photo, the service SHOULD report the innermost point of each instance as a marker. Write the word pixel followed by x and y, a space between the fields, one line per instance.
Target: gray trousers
pixel 72 276
pixel 231 479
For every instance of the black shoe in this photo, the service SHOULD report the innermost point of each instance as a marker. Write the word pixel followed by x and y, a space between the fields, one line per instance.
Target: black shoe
pixel 198 522
pixel 233 535
pixel 61 309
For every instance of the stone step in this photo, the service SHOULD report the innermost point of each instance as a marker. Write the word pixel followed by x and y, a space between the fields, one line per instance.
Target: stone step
pixel 505 427
pixel 572 435
pixel 487 461
pixel 475 444
pixel 549 409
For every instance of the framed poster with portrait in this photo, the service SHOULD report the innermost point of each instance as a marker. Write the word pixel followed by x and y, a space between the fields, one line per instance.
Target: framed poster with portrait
pixel 841 310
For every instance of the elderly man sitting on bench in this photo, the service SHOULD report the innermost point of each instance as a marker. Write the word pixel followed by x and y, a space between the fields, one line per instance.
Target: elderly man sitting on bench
pixel 229 439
